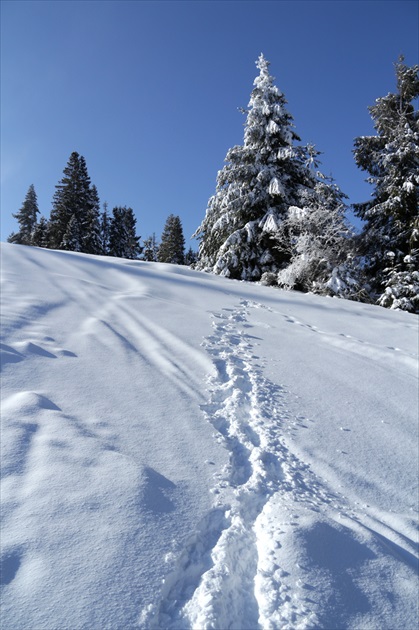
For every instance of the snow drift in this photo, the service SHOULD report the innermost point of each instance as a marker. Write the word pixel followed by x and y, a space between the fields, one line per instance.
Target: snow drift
pixel 180 450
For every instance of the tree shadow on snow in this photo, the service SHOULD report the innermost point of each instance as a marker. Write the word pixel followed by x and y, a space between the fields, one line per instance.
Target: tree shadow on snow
pixel 155 492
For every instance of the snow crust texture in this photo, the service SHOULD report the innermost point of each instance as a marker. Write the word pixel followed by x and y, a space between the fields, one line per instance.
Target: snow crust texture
pixel 184 451
pixel 237 572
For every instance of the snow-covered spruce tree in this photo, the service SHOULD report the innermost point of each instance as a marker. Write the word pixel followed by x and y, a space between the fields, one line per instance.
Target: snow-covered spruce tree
pixel 150 249
pixel 172 246
pixel 73 197
pixel 123 241
pixel 260 181
pixel 27 219
pixel 390 237
pixel 318 239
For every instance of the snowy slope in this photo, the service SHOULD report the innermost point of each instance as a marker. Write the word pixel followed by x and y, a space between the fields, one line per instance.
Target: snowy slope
pixel 181 450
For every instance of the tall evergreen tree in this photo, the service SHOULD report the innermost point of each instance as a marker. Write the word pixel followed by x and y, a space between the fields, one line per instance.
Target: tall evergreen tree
pixel 123 241
pixel 72 198
pixel 390 237
pixel 172 246
pixel 27 219
pixel 261 180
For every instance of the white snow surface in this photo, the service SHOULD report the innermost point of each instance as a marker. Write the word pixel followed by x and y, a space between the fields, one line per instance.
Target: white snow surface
pixel 180 450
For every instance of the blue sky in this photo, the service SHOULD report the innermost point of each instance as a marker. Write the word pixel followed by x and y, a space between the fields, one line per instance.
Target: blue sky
pixel 148 92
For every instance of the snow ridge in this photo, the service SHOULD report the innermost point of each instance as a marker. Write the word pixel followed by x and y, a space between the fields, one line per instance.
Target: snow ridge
pixel 228 575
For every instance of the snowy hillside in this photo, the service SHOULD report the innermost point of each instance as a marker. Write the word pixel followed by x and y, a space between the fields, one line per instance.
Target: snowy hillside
pixel 180 450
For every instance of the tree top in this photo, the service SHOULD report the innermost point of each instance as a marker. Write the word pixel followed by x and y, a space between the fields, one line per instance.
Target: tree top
pixel 263 64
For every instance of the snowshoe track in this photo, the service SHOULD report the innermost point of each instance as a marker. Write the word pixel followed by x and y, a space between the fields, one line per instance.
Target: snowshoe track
pixel 242 568
pixel 226 576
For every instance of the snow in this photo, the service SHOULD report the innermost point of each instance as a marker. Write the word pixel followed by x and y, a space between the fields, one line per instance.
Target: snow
pixel 275 187
pixel 272 128
pixel 270 224
pixel 181 450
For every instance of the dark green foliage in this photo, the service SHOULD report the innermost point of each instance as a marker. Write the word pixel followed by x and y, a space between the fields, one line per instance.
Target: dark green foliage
pixel 27 219
pixel 191 257
pixel 72 238
pixel 390 236
pixel 75 216
pixel 123 241
pixel 172 247
pixel 151 249
pixel 91 238
pixel 76 223
pixel 40 234
pixel 71 198
pixel 105 229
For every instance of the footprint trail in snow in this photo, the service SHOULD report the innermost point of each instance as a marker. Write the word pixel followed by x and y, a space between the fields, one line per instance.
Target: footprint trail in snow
pixel 231 574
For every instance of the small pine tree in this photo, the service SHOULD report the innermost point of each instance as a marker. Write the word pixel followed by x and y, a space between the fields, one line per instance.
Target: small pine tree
pixel 27 219
pixel 40 237
pixel 151 249
pixel 191 257
pixel 123 241
pixel 390 237
pixel 172 247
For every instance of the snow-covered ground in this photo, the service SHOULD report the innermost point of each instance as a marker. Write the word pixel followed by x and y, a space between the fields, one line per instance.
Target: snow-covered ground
pixel 181 450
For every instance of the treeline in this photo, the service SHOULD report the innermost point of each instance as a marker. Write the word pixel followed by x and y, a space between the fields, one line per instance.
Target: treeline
pixel 275 217
pixel 78 224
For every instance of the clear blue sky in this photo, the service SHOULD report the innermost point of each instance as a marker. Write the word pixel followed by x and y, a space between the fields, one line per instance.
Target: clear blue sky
pixel 148 92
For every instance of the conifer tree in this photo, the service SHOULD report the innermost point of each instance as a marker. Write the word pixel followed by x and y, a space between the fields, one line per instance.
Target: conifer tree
pixel 27 219
pixel 318 239
pixel 105 226
pixel 261 180
pixel 191 257
pixel 72 239
pixel 72 198
pixel 123 241
pixel 150 250
pixel 172 246
pixel 91 238
pixel 40 233
pixel 390 237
